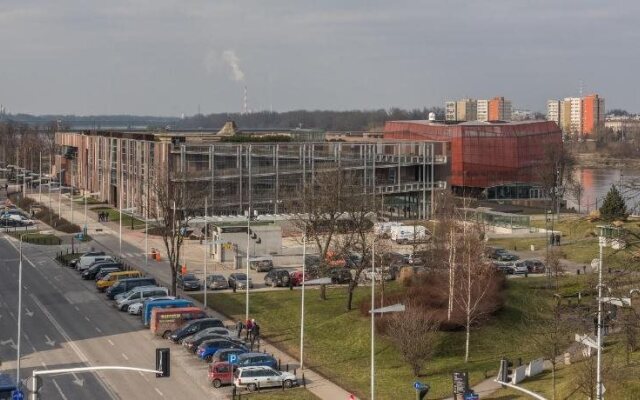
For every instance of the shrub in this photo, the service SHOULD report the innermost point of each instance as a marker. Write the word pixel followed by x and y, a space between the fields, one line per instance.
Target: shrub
pixel 613 207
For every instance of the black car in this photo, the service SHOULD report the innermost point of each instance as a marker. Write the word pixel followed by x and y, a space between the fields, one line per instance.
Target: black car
pixel 339 275
pixel 194 327
pixel 193 345
pixel 93 270
pixel 189 282
pixel 277 277
pixel 104 272
pixel 73 263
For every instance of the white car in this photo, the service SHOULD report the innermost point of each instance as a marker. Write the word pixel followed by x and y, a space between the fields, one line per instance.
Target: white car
pixel 135 308
pixel 260 377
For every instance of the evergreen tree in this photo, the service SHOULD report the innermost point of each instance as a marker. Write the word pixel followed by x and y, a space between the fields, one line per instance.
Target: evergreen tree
pixel 613 207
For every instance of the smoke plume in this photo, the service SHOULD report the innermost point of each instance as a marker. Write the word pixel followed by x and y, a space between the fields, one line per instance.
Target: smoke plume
pixel 230 57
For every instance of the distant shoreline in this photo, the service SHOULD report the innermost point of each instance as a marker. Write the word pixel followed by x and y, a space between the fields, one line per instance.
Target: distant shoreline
pixel 595 160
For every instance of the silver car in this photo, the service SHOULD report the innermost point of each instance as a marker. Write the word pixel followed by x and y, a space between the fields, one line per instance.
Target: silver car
pixel 217 281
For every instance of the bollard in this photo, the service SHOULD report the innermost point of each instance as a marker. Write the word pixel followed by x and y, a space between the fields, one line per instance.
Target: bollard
pixel 283 386
pixel 304 382
pixel 287 367
pixel 258 386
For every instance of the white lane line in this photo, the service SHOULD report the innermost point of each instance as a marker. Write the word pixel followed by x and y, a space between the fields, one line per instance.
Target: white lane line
pixel 125 357
pixel 59 390
pixel 76 307
pixel 159 392
pixel 87 318
pixel 72 345
pixel 98 330
pixel 110 342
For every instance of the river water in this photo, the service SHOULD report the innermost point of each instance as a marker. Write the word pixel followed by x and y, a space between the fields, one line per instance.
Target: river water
pixel 597 182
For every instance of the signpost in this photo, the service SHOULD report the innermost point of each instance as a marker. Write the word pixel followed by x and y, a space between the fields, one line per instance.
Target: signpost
pixel 460 384
pixel 421 389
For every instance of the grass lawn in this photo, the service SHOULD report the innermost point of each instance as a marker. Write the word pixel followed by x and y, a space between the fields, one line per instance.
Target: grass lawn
pixel 114 216
pixel 620 381
pixel 35 237
pixel 90 201
pixel 277 394
pixel 338 342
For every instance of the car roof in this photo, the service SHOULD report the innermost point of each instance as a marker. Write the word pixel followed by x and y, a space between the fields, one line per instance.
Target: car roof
pixel 246 355
pixel 257 367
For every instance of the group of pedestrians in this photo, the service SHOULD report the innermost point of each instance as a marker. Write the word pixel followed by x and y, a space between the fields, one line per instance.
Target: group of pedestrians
pixel 554 239
pixel 103 216
pixel 252 331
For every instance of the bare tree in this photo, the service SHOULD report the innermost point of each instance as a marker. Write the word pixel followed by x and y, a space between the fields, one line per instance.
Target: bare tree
pixel 171 204
pixel 476 279
pixel 554 265
pixel 415 335
pixel 555 173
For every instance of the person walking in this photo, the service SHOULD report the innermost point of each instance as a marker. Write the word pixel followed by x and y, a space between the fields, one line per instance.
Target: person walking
pixel 255 333
pixel 248 326
pixel 239 326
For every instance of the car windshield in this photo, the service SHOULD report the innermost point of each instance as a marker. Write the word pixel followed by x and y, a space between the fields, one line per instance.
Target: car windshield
pixel 189 278
pixel 241 277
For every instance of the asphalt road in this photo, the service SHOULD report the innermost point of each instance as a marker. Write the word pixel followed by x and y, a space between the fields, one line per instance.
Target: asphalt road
pixel 67 323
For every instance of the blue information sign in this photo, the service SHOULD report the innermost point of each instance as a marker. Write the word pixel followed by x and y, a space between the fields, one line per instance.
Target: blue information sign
pixel 17 395
pixel 233 358
pixel 471 396
pixel 418 385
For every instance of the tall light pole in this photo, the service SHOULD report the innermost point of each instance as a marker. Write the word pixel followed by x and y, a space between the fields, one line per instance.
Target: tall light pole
pixel 373 320
pixel 602 242
pixel 304 268
pixel 206 238
pixel 18 355
pixel 120 211
pixel 248 250
pixel 40 178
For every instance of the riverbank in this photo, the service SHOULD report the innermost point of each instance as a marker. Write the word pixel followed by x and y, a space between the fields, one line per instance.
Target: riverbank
pixel 597 160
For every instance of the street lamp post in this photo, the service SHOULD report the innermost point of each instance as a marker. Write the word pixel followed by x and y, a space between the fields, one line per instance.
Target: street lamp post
pixel 605 234
pixel 373 325
pixel 248 251
pixel 18 355
pixel 304 267
pixel 206 239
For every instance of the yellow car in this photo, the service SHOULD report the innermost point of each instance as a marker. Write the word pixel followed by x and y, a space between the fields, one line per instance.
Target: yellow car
pixel 114 277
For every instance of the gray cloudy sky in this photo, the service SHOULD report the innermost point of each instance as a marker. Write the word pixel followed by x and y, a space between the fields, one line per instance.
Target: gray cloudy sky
pixel 166 57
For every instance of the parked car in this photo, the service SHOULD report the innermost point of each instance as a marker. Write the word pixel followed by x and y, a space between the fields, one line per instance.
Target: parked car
pixel 194 327
pixel 214 332
pixel 85 262
pixel 188 282
pixel 73 263
pixel 139 294
pixel 166 320
pixel 104 272
pixel 533 266
pixel 254 377
pixel 192 344
pixel 217 281
pixel 207 349
pixel 151 304
pixel 92 271
pixel 277 277
pixel 261 264
pixel 113 278
pixel 238 280
pixel 136 308
pixel 339 275
pixel 220 373
pixel 227 355
pixel 257 360
pixel 504 255
pixel 15 220
pixel 296 277
pixel 125 285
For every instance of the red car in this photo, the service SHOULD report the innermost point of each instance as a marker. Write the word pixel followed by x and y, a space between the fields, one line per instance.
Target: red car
pixel 296 278
pixel 220 373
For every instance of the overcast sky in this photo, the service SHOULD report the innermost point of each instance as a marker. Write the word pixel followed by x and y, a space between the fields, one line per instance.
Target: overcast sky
pixel 167 57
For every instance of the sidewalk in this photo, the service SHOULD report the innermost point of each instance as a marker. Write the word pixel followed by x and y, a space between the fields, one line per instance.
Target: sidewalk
pixel 106 236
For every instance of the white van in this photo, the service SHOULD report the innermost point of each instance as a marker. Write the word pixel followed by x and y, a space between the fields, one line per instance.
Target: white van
pixel 139 294
pixel 85 261
pixel 384 228
pixel 405 234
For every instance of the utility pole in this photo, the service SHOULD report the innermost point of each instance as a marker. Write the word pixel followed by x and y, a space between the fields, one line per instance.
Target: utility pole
pixel 304 267
pixel 206 250
pixel 602 242
pixel 373 321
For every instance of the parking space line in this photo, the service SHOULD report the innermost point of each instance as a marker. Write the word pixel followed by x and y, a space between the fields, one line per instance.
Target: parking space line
pixel 98 330
pixel 87 318
pixel 159 392
pixel 110 342
pixel 125 357
pixel 76 307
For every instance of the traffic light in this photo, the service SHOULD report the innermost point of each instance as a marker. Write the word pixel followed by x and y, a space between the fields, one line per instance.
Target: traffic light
pixel 163 363
pixel 504 375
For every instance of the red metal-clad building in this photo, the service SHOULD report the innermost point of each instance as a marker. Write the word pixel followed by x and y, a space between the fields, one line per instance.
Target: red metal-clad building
pixel 485 155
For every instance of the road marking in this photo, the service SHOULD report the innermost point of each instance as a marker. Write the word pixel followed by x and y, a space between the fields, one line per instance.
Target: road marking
pixel 76 307
pixel 87 318
pixel 159 392
pixel 125 357
pixel 43 364
pixel 28 312
pixel 49 341
pixel 98 330
pixel 110 342
pixel 12 316
pixel 74 347
pixel 59 390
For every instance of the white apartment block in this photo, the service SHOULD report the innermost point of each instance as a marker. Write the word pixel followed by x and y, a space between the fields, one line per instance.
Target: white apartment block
pixel 451 111
pixel 575 115
pixel 554 111
pixel 483 110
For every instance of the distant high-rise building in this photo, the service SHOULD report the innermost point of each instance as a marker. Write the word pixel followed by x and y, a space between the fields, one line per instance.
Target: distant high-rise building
pixel 554 111
pixel 499 109
pixel 451 111
pixel 575 115
pixel 483 110
pixel 592 113
pixel 466 110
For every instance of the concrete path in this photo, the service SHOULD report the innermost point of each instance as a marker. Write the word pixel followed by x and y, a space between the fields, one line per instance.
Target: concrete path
pixel 106 236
